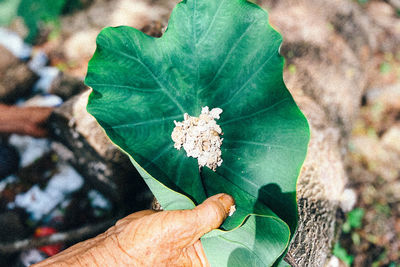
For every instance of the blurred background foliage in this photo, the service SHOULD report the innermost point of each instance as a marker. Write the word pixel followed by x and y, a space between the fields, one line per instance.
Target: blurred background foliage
pixel 36 14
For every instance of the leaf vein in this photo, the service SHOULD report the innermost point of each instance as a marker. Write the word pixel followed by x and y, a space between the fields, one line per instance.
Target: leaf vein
pixel 141 123
pixel 254 113
pixel 254 185
pixel 164 151
pixel 258 144
pixel 211 23
pixel 235 93
pixel 230 53
pixel 178 171
pixel 143 90
pixel 164 89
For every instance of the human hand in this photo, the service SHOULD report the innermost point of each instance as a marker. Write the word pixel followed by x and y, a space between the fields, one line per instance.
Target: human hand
pixel 24 120
pixel 150 238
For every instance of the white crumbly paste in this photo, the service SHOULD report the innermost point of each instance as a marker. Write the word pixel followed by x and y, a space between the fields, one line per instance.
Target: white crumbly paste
pixel 200 137
pixel 232 210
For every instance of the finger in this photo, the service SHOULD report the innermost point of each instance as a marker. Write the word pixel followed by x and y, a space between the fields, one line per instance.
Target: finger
pixel 34 131
pixel 201 255
pixel 210 214
pixel 174 229
pixel 134 216
pixel 40 133
pixel 44 114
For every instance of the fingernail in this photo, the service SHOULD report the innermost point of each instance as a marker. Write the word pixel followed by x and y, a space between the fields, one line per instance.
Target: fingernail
pixel 227 201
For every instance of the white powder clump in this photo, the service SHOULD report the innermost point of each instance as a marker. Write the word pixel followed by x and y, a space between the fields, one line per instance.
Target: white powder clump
pixel 232 210
pixel 200 137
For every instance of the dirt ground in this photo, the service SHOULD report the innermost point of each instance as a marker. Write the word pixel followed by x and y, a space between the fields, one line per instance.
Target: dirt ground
pixel 374 171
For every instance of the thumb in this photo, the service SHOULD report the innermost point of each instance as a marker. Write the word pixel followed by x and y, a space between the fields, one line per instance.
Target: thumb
pixel 210 214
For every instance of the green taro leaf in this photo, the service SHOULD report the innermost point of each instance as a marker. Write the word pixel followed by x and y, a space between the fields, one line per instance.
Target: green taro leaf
pixel 216 53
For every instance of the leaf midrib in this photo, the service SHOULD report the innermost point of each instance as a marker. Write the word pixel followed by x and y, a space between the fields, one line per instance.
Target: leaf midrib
pixel 141 123
pixel 140 90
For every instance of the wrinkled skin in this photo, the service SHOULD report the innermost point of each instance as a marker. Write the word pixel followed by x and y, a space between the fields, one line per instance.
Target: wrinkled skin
pixel 24 120
pixel 150 238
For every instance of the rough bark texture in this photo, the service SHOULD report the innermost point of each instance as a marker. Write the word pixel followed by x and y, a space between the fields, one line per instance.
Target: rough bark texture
pixel 16 79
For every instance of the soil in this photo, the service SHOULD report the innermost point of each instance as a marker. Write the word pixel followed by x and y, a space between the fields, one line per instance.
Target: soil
pixel 374 169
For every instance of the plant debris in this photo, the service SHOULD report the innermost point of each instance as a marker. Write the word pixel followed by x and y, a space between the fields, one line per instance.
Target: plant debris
pixel 200 137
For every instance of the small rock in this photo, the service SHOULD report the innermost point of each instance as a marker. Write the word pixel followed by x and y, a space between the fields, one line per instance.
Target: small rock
pixel 14 44
pixel 391 192
pixel 47 100
pixel 38 61
pixel 388 96
pixel 29 148
pixel 379 160
pixel 40 202
pixel 335 262
pixel 16 79
pixel 66 86
pixel 383 105
pixel 30 257
pixel 47 76
pixel 391 139
pixel 348 200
